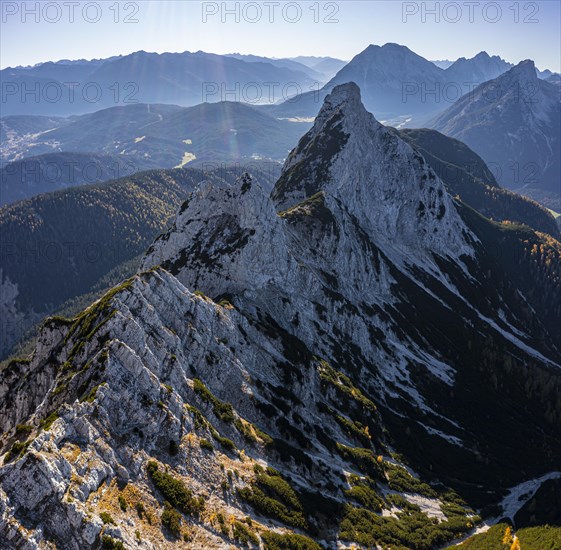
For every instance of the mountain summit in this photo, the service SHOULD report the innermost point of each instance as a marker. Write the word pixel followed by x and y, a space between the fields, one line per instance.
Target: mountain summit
pixel 479 68
pixel 278 357
pixel 514 123
pixel 360 164
pixel 397 82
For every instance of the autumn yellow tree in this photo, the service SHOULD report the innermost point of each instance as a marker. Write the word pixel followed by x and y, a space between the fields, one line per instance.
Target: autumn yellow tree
pixel 515 544
pixel 507 537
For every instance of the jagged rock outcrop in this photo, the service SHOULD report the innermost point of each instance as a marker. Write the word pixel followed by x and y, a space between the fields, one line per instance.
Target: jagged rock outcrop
pixel 353 311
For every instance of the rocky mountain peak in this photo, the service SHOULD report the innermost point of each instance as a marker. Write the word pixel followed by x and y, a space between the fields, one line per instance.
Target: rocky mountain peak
pixel 342 112
pixel 522 90
pixel 479 68
pixel 522 74
pixel 344 96
pixel 370 171
pixel 525 67
pixel 225 239
pixel 394 47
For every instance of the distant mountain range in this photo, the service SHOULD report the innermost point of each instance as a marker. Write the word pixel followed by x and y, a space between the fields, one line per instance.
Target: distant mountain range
pixel 166 136
pixel 442 63
pixel 396 82
pixel 322 69
pixel 514 123
pixel 140 136
pixel 186 79
pixel 328 66
pixel 292 64
pixel 445 63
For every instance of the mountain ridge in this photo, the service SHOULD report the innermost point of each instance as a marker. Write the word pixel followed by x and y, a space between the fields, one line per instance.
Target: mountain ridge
pixel 155 136
pixel 298 338
pixel 143 77
pixel 525 113
pixel 397 82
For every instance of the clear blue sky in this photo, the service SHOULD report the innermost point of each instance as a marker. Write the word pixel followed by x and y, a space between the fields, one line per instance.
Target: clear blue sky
pixel 514 30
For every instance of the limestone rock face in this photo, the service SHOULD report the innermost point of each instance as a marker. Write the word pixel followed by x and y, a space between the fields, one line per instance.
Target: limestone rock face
pixel 377 177
pixel 316 329
pixel 355 202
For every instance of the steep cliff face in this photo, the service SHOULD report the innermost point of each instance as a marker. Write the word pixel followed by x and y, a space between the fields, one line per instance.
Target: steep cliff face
pixel 352 195
pixel 375 176
pixel 466 175
pixel 356 311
